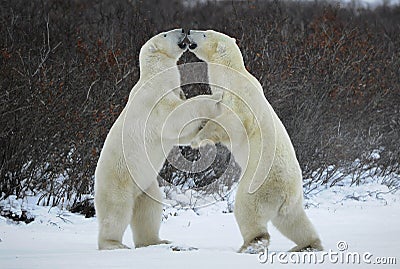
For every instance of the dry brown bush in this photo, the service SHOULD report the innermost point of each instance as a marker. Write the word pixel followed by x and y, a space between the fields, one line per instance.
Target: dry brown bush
pixel 66 68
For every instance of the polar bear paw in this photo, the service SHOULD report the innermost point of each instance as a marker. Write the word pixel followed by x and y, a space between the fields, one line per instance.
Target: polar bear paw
pixel 257 245
pixel 111 244
pixel 217 96
pixel 164 242
pixel 195 143
pixel 198 142
pixel 314 246
pixel 159 242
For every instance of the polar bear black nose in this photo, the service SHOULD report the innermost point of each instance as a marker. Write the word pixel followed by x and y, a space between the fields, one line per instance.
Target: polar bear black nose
pixel 192 46
pixel 182 45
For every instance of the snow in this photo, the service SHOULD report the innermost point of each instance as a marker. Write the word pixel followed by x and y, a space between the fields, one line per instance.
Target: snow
pixel 365 217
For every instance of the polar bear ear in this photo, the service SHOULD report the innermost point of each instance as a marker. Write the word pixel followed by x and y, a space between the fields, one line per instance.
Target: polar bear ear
pixel 221 47
pixel 152 48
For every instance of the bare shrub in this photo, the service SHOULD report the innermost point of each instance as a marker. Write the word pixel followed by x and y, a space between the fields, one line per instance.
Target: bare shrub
pixel 67 67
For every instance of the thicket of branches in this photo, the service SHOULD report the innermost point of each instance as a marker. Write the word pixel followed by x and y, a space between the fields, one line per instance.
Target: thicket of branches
pixel 67 67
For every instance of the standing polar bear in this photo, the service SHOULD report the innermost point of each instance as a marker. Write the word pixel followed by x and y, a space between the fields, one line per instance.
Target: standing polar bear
pixel 270 187
pixel 126 188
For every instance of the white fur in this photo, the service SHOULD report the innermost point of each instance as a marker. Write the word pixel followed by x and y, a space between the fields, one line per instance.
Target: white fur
pixel 126 189
pixel 270 187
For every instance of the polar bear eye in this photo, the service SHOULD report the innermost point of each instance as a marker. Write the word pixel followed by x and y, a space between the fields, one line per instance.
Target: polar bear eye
pixel 165 35
pixel 204 35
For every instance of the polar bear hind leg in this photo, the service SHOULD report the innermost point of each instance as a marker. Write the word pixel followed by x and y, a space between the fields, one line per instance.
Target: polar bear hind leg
pixel 296 226
pixel 113 220
pixel 146 217
pixel 252 221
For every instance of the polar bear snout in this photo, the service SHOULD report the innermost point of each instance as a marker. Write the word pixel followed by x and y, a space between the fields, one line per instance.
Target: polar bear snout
pixel 178 36
pixel 192 43
pixel 182 45
pixel 182 40
pixel 192 46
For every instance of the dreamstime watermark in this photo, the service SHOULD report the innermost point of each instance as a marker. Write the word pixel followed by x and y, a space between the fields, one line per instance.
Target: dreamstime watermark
pixel 339 256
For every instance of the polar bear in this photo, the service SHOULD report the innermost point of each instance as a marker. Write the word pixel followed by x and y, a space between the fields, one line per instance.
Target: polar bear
pixel 270 188
pixel 126 188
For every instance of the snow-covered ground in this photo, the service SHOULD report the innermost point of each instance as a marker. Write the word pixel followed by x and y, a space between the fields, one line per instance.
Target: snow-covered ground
pixel 365 219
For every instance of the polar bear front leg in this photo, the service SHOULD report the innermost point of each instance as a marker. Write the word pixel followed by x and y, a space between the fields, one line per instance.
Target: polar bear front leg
pixel 146 218
pixel 203 138
pixel 211 133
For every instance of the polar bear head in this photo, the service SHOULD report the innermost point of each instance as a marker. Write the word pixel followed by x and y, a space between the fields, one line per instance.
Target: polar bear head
pixel 162 51
pixel 214 47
